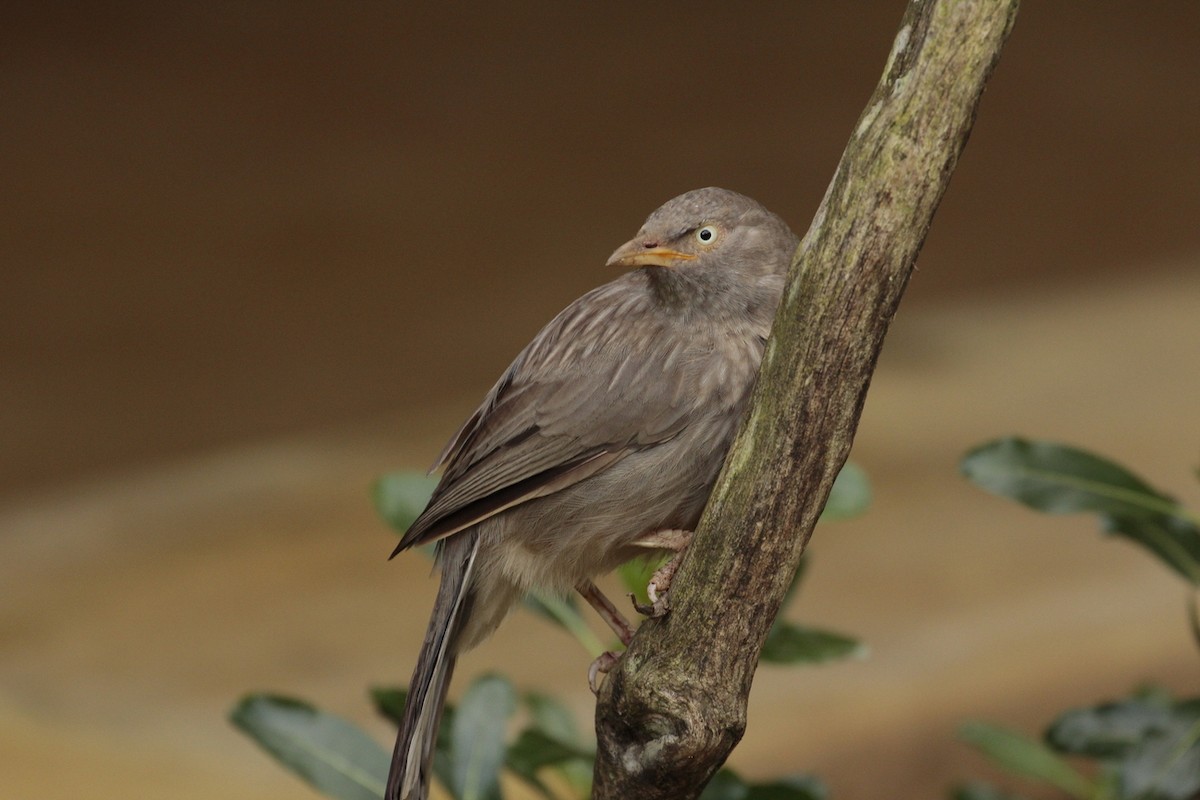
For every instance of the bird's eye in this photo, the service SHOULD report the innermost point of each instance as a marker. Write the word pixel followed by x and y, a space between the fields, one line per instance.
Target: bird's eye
pixel 706 235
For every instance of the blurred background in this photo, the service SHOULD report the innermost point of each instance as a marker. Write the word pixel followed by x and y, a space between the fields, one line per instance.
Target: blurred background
pixel 255 254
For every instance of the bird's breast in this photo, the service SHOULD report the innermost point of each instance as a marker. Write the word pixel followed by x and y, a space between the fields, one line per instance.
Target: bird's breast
pixel 721 365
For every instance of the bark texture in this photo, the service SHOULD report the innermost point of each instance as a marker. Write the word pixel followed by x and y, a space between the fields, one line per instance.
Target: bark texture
pixel 675 706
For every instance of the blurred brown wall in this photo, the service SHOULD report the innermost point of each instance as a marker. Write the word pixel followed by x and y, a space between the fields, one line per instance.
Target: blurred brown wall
pixel 228 222
pixel 224 221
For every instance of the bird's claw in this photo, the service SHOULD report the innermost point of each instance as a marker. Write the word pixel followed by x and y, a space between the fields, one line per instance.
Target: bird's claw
pixel 601 666
pixel 658 606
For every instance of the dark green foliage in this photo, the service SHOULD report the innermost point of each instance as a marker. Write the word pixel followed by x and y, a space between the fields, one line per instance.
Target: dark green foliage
pixel 796 644
pixel 1152 745
pixel 1057 479
pixel 1145 747
pixel 477 746
pixel 1024 756
pixel 333 755
pixel 473 747
pixel 728 785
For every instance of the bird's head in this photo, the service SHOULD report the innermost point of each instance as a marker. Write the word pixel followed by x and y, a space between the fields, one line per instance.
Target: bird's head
pixel 711 232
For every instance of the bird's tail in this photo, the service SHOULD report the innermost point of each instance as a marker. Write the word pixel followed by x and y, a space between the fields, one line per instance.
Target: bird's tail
pixel 412 760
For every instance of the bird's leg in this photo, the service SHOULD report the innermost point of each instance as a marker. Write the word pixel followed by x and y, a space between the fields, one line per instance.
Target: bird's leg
pixel 616 620
pixel 674 540
pixel 660 581
pixel 607 611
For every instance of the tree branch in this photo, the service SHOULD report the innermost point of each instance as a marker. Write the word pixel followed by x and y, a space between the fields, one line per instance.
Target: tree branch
pixel 675 706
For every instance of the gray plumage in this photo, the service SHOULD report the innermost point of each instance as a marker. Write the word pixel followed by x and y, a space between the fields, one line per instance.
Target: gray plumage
pixel 610 425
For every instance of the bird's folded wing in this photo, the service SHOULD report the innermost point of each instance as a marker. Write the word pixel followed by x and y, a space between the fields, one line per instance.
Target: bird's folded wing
pixel 555 418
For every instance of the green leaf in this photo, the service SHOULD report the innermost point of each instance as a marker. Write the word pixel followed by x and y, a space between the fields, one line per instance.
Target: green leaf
pixel 725 785
pixel 328 752
pixel 1154 694
pixel 1175 541
pixel 850 495
pixel 1025 756
pixel 1107 731
pixel 389 701
pixel 796 644
pixel 477 738
pixel 728 785
pixel 534 750
pixel 636 573
pixel 977 790
pixel 1165 765
pixel 796 787
pixel 790 644
pixel 552 718
pixel 1153 745
pixel 564 612
pixel 1057 479
pixel 400 497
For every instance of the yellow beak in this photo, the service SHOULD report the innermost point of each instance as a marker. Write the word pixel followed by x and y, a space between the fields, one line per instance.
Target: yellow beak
pixel 635 253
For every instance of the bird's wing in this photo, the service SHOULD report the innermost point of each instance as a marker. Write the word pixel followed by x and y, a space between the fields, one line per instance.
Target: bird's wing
pixel 592 387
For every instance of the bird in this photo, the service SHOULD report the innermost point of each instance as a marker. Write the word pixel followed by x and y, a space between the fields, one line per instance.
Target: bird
pixel 603 438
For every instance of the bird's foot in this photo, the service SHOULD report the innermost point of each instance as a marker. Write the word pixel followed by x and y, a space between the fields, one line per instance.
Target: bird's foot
pixel 601 666
pixel 656 590
pixel 660 581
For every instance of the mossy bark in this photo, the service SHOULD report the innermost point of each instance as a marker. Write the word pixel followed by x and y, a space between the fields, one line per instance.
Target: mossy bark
pixel 675 706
